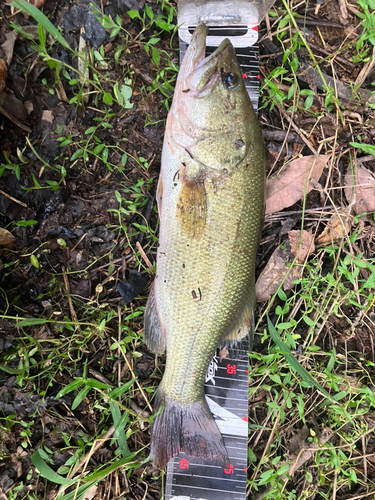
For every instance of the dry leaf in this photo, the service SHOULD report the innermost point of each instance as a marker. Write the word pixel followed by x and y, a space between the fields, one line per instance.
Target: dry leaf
pixel 6 238
pixel 364 189
pixel 274 273
pixel 37 3
pixel 350 384
pixel 336 229
pixel 3 75
pixel 223 354
pixel 298 441
pixel 307 244
pixel 47 116
pixel 13 106
pixel 8 46
pixel 91 492
pixel 83 67
pixel 289 187
pixel 309 452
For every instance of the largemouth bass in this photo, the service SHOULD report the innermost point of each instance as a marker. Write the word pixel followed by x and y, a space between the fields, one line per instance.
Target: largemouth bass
pixel 211 203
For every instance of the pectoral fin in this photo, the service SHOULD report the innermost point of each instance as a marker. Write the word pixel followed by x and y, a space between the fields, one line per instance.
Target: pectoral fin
pixel 192 207
pixel 154 333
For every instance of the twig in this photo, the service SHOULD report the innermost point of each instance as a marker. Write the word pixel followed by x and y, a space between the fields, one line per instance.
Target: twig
pixel 343 9
pixel 138 410
pixel 336 58
pixel 145 495
pixel 268 444
pixel 281 149
pixel 78 242
pixel 99 376
pixel 13 199
pixel 268 25
pixel 334 486
pixel 15 121
pixel 71 307
pixel 118 349
pixel 99 443
pixel 306 141
pixel 363 159
pixel 364 460
pixel 365 70
pixel 144 256
pixel 136 378
pixel 318 22
pixel 281 135
pixel 145 78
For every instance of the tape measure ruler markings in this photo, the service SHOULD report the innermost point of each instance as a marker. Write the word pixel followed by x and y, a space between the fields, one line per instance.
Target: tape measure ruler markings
pixel 226 388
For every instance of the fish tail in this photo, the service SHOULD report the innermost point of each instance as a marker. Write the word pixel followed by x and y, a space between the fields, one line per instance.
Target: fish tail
pixel 190 429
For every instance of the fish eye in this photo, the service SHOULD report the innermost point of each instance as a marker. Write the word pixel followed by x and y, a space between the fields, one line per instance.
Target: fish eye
pixel 230 80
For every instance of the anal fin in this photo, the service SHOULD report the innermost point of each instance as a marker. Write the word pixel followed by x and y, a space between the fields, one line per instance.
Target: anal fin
pixel 154 333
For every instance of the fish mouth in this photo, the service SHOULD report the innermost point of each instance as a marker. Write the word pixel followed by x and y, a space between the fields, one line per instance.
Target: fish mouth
pixel 200 70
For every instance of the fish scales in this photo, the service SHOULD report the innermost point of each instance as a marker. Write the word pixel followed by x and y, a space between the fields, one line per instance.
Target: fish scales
pixel 204 299
pixel 211 206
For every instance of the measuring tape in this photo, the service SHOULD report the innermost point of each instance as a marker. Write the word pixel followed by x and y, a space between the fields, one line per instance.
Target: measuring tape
pixel 226 383
pixel 226 388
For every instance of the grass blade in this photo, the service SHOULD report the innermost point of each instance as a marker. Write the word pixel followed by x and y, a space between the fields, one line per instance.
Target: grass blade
pixel 104 472
pixel 80 397
pixel 30 322
pixel 77 494
pixel 120 423
pixel 46 471
pixel 120 390
pixel 40 18
pixel 7 369
pixel 294 363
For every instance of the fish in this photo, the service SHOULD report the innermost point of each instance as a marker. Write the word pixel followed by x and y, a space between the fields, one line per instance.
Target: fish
pixel 210 198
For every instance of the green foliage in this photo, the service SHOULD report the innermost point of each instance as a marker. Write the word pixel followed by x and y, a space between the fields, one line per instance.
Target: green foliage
pixel 366 148
pixel 368 34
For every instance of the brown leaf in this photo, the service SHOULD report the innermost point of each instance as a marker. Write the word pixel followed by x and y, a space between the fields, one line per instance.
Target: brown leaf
pixel 37 3
pixel 307 244
pixel 309 452
pixel 274 273
pixel 298 441
pixel 3 75
pixel 363 181
pixel 8 46
pixel 91 492
pixel 6 238
pixel 289 187
pixel 350 383
pixel 13 106
pixel 336 229
pixel 223 354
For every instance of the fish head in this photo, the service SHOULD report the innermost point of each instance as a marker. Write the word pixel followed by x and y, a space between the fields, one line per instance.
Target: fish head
pixel 211 116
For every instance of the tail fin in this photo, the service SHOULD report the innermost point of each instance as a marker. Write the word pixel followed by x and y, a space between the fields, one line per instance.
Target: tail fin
pixel 190 429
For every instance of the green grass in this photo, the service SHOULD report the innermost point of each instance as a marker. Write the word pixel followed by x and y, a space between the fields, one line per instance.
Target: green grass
pixel 326 398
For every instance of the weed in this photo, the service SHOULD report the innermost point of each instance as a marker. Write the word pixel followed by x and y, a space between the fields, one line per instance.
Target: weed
pixel 368 33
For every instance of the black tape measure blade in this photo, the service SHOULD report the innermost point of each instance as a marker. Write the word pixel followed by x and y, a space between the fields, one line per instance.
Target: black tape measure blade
pixel 226 389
